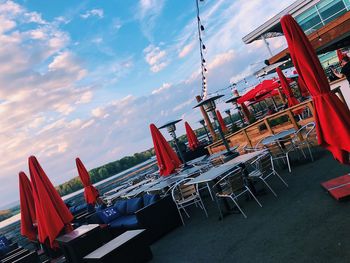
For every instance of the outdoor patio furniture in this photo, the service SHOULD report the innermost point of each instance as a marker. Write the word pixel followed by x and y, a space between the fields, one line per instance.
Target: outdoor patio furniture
pixel 128 247
pixel 81 241
pixel 263 168
pixel 306 131
pixel 186 195
pixel 232 186
pixel 280 146
pixel 157 215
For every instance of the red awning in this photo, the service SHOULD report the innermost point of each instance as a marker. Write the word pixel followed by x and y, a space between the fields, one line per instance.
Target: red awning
pixel 28 218
pixel 332 116
pixel 221 121
pixel 90 192
pixel 191 137
pixel 167 159
pixel 53 216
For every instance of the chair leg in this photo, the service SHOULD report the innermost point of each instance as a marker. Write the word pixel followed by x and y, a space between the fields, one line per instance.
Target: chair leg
pixel 217 203
pixel 182 220
pixel 210 193
pixel 239 208
pixel 253 196
pixel 308 147
pixel 205 210
pixel 288 163
pixel 268 186
pixel 280 178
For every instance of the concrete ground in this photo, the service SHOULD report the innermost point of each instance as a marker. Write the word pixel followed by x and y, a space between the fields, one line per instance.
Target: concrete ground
pixel 304 224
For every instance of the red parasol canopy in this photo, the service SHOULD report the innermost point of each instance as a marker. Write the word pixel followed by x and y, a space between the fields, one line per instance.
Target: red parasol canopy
pixel 221 121
pixel 191 137
pixel 52 214
pixel 167 159
pixel 259 90
pixel 90 192
pixel 330 112
pixel 28 218
pixel 292 101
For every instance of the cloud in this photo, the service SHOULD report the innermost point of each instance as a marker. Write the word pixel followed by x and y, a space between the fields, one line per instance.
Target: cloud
pixel 93 13
pixel 156 58
pixel 165 86
pixel 147 14
pixel 186 50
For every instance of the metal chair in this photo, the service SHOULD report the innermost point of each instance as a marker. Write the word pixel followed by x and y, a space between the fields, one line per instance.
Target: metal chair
pixel 186 195
pixel 263 168
pixel 306 131
pixel 232 186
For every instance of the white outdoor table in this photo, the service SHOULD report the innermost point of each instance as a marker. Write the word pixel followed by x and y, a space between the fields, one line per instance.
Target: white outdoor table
pixel 198 160
pixel 122 192
pixel 278 136
pixel 218 154
pixel 166 183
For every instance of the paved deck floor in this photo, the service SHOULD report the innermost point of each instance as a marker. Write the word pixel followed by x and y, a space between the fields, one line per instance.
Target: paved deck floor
pixel 304 224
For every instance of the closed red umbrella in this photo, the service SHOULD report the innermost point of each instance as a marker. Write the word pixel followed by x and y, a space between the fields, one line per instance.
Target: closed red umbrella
pixel 292 101
pixel 52 214
pixel 340 55
pixel 28 218
pixel 167 159
pixel 332 117
pixel 302 87
pixel 90 192
pixel 193 142
pixel 246 112
pixel 221 121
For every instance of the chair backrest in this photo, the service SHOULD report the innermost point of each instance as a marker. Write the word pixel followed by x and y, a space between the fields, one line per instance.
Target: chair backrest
pixel 232 182
pixel 264 164
pixel 306 130
pixel 181 192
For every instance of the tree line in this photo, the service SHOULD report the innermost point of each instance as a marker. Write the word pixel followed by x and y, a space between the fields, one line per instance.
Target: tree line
pixel 107 170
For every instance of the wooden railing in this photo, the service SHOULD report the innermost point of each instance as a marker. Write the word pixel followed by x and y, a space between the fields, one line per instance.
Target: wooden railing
pixel 253 133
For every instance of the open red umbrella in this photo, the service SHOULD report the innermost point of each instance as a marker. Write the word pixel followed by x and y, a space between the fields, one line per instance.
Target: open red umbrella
pixel 28 218
pixel 193 142
pixel 52 214
pixel 167 159
pixel 332 117
pixel 292 101
pixel 221 121
pixel 90 192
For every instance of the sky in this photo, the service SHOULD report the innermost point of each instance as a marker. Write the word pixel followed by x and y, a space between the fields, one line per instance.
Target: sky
pixel 86 78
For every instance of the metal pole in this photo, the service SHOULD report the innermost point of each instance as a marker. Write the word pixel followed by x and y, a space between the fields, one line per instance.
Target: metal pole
pixel 206 132
pixel 267 45
pixel 178 148
pixel 222 135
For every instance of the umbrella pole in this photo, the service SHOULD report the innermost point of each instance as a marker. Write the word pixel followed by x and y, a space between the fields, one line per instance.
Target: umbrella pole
pixel 178 148
pixel 274 103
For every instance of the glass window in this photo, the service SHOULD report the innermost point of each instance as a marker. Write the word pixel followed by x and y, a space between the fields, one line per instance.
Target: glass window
pixel 331 9
pixel 309 20
pixel 347 3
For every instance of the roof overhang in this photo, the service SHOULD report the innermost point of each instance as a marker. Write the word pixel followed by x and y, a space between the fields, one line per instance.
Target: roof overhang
pixel 332 36
pixel 272 27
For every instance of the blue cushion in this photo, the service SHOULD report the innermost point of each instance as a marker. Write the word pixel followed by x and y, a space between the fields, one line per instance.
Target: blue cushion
pixel 121 206
pixel 133 205
pixel 149 199
pixel 109 214
pixel 4 242
pixel 4 250
pixel 124 221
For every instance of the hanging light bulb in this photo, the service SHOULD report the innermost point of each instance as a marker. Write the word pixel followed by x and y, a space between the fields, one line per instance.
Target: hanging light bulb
pixel 202 28
pixel 203 60
pixel 203 46
pixel 205 69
